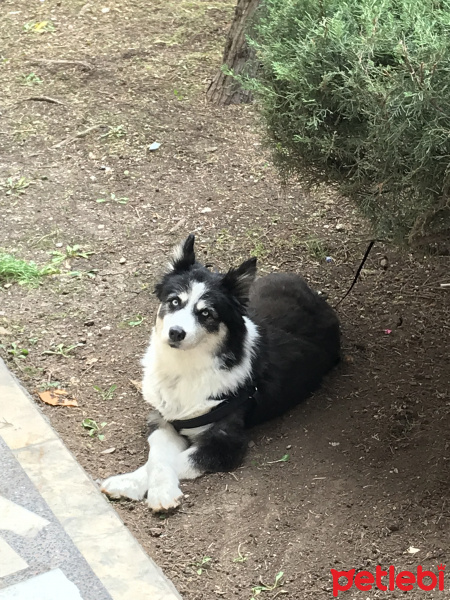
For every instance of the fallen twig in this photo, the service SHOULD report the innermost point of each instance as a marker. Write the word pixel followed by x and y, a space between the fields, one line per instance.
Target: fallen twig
pixel 50 61
pixel 177 225
pixel 43 99
pixel 80 134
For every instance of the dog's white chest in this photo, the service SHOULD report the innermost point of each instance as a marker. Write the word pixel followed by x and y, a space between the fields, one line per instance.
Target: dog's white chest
pixel 177 389
pixel 176 398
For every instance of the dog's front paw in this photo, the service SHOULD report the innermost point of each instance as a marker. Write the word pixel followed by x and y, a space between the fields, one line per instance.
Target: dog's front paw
pixel 163 493
pixel 130 485
pixel 164 499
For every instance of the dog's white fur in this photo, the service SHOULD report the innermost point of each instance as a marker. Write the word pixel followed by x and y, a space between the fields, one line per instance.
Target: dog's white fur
pixel 180 385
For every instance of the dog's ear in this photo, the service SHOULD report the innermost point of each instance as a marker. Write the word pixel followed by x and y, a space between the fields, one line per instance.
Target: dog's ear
pixel 183 256
pixel 238 281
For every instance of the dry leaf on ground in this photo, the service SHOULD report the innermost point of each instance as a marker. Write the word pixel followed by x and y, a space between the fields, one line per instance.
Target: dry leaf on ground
pixel 57 398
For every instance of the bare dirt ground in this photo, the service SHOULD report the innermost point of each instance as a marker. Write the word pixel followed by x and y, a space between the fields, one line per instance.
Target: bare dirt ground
pixel 367 475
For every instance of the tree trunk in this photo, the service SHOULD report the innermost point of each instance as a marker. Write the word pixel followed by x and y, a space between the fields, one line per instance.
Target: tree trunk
pixel 237 56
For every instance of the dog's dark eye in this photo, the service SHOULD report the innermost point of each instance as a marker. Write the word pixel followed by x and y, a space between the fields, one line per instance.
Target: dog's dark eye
pixel 175 302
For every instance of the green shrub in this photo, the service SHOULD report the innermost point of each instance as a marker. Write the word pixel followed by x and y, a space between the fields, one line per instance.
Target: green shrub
pixel 358 91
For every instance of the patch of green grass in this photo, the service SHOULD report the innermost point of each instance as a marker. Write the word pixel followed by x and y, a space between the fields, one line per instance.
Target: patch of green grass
pixel 16 185
pixel 15 350
pixel 315 248
pixel 39 27
pixel 223 239
pixel 106 394
pixel 201 565
pixel 32 371
pixel 61 350
pixel 112 198
pixel 16 270
pixel 178 95
pixel 135 321
pixel 263 587
pixel 94 429
pixel 115 132
pixel 71 252
pixel 31 79
pixel 240 558
pixel 259 250
pixel 48 385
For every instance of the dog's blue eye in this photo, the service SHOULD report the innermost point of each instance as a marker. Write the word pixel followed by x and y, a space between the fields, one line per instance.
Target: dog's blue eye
pixel 205 313
pixel 174 302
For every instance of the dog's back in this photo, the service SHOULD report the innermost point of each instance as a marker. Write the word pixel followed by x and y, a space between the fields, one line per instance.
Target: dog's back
pixel 300 343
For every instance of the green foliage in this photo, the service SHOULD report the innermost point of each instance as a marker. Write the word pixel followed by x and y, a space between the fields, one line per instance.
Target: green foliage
pixel 94 429
pixel 267 587
pixel 14 269
pixel 113 199
pixel 136 321
pixel 41 27
pixel 61 350
pixel 71 252
pixel 106 394
pixel 15 351
pixel 31 79
pixel 357 92
pixel 202 564
pixel 16 185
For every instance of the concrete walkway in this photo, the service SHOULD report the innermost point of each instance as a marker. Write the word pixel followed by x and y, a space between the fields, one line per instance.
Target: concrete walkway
pixel 59 537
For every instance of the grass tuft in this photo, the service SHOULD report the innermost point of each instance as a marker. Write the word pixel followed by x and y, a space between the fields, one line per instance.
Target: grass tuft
pixel 16 270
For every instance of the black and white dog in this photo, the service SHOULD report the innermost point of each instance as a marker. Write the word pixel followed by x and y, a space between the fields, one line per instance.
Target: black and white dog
pixel 227 352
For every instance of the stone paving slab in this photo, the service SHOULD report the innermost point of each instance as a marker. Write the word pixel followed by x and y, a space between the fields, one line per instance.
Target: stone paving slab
pixel 30 530
pixel 52 585
pixel 57 531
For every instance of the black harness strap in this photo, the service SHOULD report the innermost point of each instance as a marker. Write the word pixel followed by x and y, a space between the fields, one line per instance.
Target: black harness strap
pixel 242 398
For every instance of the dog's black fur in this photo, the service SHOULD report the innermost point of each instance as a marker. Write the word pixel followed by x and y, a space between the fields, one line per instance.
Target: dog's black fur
pixel 299 344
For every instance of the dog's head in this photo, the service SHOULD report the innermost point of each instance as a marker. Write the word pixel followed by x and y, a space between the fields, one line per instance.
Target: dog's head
pixel 198 306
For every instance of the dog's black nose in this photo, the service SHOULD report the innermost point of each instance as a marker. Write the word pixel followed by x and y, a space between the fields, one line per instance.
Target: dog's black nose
pixel 176 334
